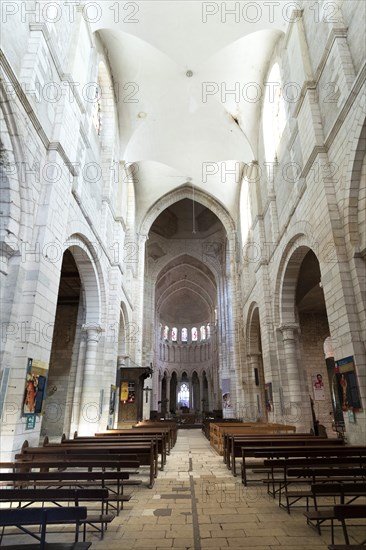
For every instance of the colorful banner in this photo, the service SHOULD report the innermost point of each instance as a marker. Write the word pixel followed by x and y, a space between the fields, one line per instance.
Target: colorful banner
pixel 35 387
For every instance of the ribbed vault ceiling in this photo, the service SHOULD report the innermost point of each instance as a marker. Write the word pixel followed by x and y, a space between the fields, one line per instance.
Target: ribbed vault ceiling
pixel 171 129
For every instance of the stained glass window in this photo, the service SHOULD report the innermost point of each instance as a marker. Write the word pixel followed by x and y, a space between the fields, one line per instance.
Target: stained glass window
pixel 208 332
pixel 174 334
pixel 194 334
pixel 183 395
pixel 203 332
pixel 184 335
pixel 166 332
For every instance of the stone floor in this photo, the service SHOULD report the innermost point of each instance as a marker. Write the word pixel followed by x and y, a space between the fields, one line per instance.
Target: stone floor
pixel 197 504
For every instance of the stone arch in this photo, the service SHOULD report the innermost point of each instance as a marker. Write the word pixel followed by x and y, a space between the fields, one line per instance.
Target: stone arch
pixel 253 326
pixel 356 160
pixel 14 189
pixel 255 379
pixel 122 332
pixel 302 320
pixel 91 277
pixel 185 192
pixel 288 286
pixel 166 296
pixel 299 243
pixel 188 257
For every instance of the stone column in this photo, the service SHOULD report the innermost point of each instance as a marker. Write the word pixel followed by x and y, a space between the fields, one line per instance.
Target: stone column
pixel 296 414
pixel 74 425
pixel 89 409
pixel 160 396
pixel 250 412
pixel 201 382
pixel 168 378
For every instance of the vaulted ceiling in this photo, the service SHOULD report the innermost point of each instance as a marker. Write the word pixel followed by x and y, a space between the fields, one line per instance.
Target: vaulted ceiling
pixel 175 64
pixel 185 290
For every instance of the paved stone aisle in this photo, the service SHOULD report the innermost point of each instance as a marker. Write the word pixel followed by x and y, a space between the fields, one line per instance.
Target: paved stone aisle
pixel 197 504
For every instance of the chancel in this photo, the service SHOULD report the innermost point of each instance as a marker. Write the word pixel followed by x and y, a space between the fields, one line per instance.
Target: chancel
pixel 183 238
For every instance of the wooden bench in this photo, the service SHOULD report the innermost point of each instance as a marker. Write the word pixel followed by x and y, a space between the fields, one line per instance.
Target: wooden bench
pixel 304 465
pixel 323 479
pixel 146 454
pixel 26 463
pixel 269 456
pixel 233 435
pixel 112 480
pixel 20 517
pixel 237 443
pixel 217 431
pixel 171 424
pixel 24 497
pixel 337 490
pixel 160 440
pixel 262 455
pixel 167 433
pixel 342 512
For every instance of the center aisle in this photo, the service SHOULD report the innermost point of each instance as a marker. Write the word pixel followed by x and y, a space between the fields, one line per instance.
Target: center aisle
pixel 196 503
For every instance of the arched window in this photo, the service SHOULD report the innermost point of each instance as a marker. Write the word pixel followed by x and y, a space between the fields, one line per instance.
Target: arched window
pixel 208 331
pixel 203 332
pixel 174 334
pixel 183 395
pixel 166 332
pixel 184 335
pixel 194 335
pixel 274 113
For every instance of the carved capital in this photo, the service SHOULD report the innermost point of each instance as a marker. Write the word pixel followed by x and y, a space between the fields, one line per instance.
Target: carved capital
pixel 93 332
pixel 289 331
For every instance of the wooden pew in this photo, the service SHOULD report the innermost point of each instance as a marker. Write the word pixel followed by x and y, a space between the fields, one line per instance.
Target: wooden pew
pixel 159 439
pixel 342 512
pixel 236 434
pixel 239 442
pixel 112 480
pixel 146 453
pixel 336 490
pixel 270 454
pixel 217 431
pixel 305 467
pixel 320 478
pixel 246 447
pixel 26 496
pixel 26 463
pixel 165 433
pixel 20 517
pixel 171 424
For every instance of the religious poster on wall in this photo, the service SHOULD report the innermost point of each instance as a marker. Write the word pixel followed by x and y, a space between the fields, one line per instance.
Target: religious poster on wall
pixel 347 384
pixel 226 403
pixel 318 387
pixel 35 387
